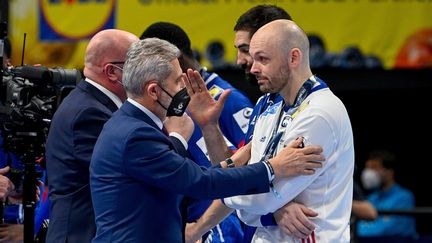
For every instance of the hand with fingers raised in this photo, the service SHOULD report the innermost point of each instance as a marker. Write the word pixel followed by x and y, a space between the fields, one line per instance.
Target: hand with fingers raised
pixel 203 108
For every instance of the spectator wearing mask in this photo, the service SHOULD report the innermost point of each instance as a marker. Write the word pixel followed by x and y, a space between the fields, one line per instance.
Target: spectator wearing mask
pixel 379 176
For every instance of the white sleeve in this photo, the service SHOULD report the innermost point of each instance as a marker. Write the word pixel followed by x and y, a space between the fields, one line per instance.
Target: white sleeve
pixel 249 218
pixel 315 127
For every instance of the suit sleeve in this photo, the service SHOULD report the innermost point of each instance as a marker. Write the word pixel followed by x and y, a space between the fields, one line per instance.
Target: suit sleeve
pixel 86 129
pixel 178 146
pixel 150 158
pixel 316 130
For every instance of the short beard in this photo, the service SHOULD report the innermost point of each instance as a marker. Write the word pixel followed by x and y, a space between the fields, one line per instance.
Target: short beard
pixel 278 82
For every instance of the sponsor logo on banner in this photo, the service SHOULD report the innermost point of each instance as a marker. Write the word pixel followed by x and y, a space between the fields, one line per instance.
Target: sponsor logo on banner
pixel 63 20
pixel 242 118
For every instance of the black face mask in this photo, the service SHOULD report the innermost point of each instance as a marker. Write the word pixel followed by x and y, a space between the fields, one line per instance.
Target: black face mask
pixel 178 104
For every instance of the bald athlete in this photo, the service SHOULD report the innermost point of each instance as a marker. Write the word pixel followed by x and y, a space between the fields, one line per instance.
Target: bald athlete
pixel 280 52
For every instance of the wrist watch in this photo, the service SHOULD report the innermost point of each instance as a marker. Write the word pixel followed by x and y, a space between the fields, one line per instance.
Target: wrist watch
pixel 230 163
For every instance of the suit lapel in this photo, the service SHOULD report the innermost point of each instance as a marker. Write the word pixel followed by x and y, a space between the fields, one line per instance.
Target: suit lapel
pixel 99 95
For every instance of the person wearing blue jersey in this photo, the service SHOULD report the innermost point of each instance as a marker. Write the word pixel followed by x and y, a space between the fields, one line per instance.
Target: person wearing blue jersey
pixel 233 123
pixel 246 26
pixel 235 114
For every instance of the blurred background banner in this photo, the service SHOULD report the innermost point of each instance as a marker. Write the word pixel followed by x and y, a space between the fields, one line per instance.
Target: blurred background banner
pixel 74 20
pixel 397 32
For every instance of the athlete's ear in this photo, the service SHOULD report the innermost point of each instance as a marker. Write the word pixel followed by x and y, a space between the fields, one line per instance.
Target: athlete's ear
pixel 295 57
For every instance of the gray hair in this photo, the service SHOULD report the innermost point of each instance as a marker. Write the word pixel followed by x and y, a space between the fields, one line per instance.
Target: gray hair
pixel 146 60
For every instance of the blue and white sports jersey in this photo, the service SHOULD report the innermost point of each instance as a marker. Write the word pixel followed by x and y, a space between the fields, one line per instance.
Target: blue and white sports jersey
pixel 262 104
pixel 321 118
pixel 233 123
pixel 233 120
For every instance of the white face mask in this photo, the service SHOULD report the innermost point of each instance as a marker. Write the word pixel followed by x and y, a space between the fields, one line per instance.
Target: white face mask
pixel 370 179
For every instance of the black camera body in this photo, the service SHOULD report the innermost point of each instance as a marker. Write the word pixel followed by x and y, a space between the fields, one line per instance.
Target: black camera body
pixel 29 96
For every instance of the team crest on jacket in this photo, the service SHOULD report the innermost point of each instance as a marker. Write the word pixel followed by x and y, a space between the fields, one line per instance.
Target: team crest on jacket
pixel 285 121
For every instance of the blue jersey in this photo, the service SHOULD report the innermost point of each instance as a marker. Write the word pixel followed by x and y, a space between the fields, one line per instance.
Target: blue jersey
pixel 233 123
pixel 233 120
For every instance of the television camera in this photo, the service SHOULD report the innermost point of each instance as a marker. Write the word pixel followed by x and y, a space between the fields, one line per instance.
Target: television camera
pixel 29 96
